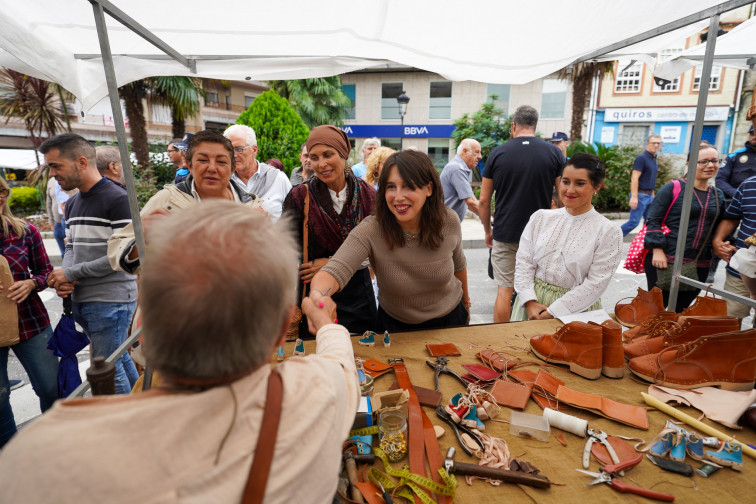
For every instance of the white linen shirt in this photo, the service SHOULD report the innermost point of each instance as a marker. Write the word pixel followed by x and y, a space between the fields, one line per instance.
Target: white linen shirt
pixel 273 199
pixel 580 253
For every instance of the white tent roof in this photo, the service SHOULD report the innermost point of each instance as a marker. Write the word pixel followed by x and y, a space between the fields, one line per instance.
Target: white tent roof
pixel 20 159
pixel 482 40
pixel 736 48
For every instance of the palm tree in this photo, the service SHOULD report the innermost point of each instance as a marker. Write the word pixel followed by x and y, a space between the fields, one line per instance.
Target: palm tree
pixel 581 76
pixel 132 94
pixel 317 101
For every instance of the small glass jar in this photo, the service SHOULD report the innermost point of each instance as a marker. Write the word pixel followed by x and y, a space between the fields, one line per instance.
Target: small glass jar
pixel 392 427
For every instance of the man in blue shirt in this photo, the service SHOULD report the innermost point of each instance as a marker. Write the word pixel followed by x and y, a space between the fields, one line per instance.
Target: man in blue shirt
pixel 643 183
pixel 455 178
pixel 738 166
pixel 368 146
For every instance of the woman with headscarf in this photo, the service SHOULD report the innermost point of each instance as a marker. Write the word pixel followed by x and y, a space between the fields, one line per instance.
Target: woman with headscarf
pixel 338 202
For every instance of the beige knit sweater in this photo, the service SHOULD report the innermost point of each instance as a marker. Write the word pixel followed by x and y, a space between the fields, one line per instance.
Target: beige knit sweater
pixel 415 283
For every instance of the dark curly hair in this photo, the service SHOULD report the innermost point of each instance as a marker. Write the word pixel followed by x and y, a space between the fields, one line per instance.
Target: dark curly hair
pixel 416 170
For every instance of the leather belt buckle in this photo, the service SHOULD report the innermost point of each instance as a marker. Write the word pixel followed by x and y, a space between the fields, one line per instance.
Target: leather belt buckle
pixel 397 360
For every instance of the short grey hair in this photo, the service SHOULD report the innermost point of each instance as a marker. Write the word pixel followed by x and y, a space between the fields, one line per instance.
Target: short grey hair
pixel 244 130
pixel 653 135
pixel 371 141
pixel 466 143
pixel 525 115
pixel 226 313
pixel 107 154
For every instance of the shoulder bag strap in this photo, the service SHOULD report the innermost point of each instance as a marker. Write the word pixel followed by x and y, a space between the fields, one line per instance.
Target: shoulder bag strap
pixel 305 233
pixel 676 188
pixel 254 491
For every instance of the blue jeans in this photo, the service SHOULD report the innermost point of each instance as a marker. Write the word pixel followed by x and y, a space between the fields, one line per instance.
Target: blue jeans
pixel 59 232
pixel 41 366
pixel 107 325
pixel 644 202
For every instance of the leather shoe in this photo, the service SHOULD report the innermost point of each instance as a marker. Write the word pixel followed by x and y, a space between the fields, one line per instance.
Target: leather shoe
pixel 648 327
pixel 726 360
pixel 612 356
pixel 706 306
pixel 577 344
pixel 685 330
pixel 643 307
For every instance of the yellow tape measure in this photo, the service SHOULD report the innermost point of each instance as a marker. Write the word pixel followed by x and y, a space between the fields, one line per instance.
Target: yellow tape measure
pixel 415 482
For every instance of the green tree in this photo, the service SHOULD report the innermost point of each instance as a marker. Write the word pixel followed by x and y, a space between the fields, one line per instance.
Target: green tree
pixel 489 126
pixel 317 101
pixel 279 129
pixel 581 75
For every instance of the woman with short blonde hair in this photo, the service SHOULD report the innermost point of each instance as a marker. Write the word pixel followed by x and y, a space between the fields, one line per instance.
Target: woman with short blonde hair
pixel 375 164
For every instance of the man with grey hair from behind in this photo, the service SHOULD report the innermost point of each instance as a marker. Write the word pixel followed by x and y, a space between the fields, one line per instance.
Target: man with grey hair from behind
pixel 211 325
pixel 523 171
pixel 455 178
pixel 109 163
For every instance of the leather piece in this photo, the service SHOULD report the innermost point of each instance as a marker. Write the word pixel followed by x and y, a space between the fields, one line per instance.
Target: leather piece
pixel 511 395
pixel 622 448
pixel 577 345
pixel 635 416
pixel 726 360
pixel 415 441
pixel 375 368
pixel 686 329
pixel 443 349
pixel 426 397
pixel 643 307
pixel 481 372
pixel 8 307
pixel 496 360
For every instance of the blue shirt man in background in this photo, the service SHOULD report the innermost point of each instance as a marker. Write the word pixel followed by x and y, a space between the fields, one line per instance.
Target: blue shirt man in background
pixel 455 178
pixel 643 183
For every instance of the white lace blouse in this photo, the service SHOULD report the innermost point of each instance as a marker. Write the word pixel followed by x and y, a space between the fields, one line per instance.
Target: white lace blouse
pixel 580 253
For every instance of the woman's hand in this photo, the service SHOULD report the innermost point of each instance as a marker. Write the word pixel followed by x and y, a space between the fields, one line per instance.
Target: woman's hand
pixel 536 311
pixel 320 310
pixel 20 290
pixel 659 259
pixel 307 270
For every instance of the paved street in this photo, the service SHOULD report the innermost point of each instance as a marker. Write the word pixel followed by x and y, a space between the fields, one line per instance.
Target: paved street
pixel 482 294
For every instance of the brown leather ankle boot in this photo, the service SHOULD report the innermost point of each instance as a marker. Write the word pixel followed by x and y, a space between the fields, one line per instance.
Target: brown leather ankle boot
pixel 706 306
pixel 685 330
pixel 577 344
pixel 643 306
pixel 725 360
pixel 612 356
pixel 647 328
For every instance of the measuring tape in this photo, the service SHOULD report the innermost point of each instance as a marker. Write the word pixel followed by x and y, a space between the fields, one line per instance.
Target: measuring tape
pixel 366 431
pixel 414 482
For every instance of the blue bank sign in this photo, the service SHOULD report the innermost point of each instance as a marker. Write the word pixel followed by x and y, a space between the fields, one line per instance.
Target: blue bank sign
pixel 395 130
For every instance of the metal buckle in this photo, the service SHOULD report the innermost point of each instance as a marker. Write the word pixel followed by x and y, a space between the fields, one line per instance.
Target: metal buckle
pixel 398 360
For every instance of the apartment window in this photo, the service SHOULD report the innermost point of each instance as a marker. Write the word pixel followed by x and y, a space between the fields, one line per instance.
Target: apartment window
pixel 715 80
pixel 553 99
pixel 501 91
pixel 628 77
pixel 161 114
pixel 635 134
pixel 211 98
pixel 664 56
pixel 248 101
pixel 389 105
pixel 438 151
pixel 350 91
pixel 440 100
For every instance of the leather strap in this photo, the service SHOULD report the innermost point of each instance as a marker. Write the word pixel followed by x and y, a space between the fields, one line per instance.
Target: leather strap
pixel 254 491
pixel 305 233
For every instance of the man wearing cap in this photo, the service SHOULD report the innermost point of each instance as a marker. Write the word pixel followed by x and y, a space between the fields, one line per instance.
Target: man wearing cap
pixel 643 183
pixel 267 182
pixel 455 178
pixel 176 150
pixel 561 140
pixel 368 146
pixel 737 167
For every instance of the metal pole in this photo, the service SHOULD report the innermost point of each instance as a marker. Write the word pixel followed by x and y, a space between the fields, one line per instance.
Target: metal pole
pixel 703 94
pixel 401 132
pixel 115 104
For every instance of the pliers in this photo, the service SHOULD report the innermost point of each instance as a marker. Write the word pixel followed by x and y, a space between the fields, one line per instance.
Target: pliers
pixel 440 367
pixel 600 436
pixel 608 476
pixel 443 415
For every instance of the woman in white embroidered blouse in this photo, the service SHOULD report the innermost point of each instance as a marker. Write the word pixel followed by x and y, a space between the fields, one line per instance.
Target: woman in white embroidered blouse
pixel 567 256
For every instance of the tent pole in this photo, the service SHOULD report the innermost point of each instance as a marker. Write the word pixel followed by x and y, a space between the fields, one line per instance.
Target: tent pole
pixel 123 143
pixel 703 94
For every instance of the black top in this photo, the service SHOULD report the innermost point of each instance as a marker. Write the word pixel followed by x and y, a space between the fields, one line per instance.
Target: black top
pixel 646 164
pixel 523 171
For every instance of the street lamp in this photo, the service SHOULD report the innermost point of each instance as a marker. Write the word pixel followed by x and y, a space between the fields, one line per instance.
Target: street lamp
pixel 402 100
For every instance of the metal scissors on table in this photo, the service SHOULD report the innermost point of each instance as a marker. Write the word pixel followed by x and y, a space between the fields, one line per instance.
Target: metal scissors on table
pixel 608 476
pixel 600 436
pixel 443 415
pixel 440 367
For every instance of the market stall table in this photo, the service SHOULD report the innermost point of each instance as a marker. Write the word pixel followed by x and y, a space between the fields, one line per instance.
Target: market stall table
pixel 555 461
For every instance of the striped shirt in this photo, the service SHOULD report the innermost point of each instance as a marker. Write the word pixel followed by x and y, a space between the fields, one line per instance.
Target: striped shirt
pixel 743 208
pixel 91 218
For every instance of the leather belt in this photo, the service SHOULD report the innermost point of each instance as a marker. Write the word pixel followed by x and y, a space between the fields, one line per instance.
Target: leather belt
pixel 643 191
pixel 422 437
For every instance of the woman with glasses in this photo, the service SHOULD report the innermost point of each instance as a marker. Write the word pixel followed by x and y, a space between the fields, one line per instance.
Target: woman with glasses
pixel 706 211
pixel 21 245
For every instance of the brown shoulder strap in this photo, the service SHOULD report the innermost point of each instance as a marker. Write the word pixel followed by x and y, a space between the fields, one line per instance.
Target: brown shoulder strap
pixel 254 491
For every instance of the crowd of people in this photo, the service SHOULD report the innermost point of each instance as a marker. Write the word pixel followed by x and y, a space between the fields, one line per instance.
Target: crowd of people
pixel 235 247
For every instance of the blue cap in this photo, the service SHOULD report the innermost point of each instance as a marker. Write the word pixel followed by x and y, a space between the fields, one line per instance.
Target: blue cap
pixel 559 136
pixel 184 142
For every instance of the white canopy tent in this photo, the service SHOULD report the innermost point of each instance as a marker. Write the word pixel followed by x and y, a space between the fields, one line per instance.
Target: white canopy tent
pixel 20 159
pixel 74 43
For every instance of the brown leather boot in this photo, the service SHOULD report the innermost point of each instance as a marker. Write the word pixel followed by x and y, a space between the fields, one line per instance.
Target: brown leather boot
pixel 706 306
pixel 643 306
pixel 647 328
pixel 577 344
pixel 612 357
pixel 685 330
pixel 726 360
